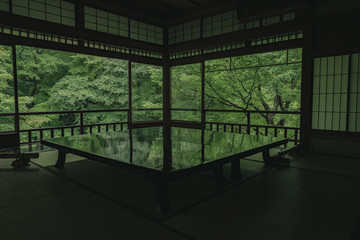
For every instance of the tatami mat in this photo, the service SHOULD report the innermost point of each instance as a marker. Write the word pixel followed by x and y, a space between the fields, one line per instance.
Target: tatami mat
pixel 348 166
pixel 317 197
pixel 17 186
pixel 74 216
pixel 48 158
pixel 284 203
pixel 132 189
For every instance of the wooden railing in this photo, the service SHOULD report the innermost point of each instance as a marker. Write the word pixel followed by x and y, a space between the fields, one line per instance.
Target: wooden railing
pixel 34 135
pixel 288 132
pixel 74 129
pixel 250 128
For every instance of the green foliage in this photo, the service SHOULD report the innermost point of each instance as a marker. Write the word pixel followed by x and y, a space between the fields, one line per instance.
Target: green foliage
pixel 186 86
pixel 146 83
pixel 6 81
pixel 51 80
pixel 146 87
pixel 264 82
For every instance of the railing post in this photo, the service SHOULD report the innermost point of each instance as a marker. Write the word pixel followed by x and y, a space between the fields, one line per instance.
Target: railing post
pixel 81 123
pixel 29 137
pixel 248 122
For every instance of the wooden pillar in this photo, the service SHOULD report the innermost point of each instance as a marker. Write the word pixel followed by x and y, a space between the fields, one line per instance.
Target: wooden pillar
pixel 166 83
pixel 130 96
pixel 306 90
pixel 203 113
pixel 16 96
pixel 166 106
pixel 79 18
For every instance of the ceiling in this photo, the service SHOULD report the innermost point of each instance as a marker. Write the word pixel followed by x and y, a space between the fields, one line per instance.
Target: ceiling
pixel 166 11
pixel 169 12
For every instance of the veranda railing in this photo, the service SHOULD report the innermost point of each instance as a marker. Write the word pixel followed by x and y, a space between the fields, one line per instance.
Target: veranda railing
pixel 36 134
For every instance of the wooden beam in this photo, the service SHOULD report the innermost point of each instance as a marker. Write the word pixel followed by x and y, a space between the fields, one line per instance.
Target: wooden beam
pixel 130 94
pixel 79 14
pixel 186 124
pixel 166 85
pixel 10 40
pixel 194 2
pixel 167 145
pixel 79 17
pixel 16 97
pixel 123 9
pixel 167 5
pixel 237 37
pixel 203 113
pixel 146 124
pixel 206 10
pixel 297 43
pixel 27 23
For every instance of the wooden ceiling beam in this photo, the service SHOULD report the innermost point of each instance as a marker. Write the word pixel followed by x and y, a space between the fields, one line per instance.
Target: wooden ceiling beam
pixel 11 40
pixel 236 37
pixel 125 11
pixel 36 25
pixel 194 2
pixel 210 9
pixel 297 43
pixel 167 5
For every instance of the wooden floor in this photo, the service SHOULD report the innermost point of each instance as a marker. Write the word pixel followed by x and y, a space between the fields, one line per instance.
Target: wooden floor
pixel 317 197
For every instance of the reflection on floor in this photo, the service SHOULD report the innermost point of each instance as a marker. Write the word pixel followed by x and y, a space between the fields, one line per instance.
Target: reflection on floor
pixel 317 197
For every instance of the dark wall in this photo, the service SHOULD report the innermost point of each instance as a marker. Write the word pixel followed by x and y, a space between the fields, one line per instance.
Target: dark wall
pixel 336 33
pixel 335 26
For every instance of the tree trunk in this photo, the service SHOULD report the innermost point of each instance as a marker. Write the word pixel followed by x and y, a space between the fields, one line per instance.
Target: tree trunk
pixel 35 87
